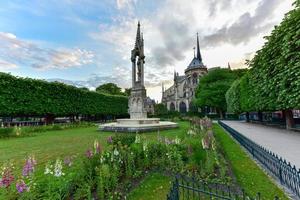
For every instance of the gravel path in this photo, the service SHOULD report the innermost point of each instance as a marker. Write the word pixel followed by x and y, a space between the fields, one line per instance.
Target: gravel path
pixel 282 142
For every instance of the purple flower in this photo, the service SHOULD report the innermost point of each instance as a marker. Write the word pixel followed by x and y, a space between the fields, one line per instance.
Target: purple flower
pixel 68 161
pixel 89 153
pixel 109 140
pixel 28 168
pixel 167 141
pixel 7 177
pixel 21 186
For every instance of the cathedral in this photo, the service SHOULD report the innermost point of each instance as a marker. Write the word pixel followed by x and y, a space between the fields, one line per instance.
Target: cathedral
pixel 180 95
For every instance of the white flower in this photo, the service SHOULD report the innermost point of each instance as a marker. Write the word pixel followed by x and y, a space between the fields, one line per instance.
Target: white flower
pixel 58 168
pixel 177 140
pixel 145 146
pixel 48 169
pixel 116 152
pixel 137 138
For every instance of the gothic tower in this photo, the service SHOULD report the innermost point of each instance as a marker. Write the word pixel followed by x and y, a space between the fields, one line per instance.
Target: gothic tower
pixel 137 99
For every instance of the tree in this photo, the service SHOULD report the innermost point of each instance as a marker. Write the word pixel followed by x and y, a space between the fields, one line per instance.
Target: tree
pixel 127 92
pixel 273 82
pixel 213 87
pixel 160 109
pixel 109 88
pixel 84 88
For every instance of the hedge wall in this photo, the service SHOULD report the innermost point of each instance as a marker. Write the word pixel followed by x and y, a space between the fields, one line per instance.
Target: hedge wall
pixel 30 97
pixel 273 81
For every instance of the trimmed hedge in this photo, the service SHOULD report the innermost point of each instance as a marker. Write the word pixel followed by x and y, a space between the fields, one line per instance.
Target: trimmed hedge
pixel 31 97
pixel 273 81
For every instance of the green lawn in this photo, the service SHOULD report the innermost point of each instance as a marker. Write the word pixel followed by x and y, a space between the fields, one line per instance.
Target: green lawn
pixel 50 145
pixel 53 144
pixel 248 174
pixel 155 186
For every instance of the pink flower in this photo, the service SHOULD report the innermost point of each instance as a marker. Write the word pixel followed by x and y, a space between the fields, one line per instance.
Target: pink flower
pixel 109 140
pixel 89 153
pixel 7 177
pixel 97 147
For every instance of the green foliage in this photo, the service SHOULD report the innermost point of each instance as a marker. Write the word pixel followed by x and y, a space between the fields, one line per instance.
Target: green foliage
pixel 123 138
pixel 233 97
pixel 273 82
pixel 127 92
pixel 30 97
pixel 213 86
pixel 109 88
pixel 34 130
pixel 160 109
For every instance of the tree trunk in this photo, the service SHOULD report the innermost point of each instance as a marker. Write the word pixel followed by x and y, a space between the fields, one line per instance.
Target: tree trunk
pixel 49 119
pixel 260 116
pixel 289 119
pixel 247 117
pixel 221 114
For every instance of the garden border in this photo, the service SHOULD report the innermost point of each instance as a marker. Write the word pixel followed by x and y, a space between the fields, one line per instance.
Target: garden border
pixel 287 175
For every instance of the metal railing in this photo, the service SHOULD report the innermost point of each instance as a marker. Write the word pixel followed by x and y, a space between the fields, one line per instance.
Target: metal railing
pixel 188 188
pixel 280 168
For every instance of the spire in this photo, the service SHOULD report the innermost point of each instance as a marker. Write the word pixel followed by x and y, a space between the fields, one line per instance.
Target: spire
pixel 229 67
pixel 194 52
pixel 198 50
pixel 174 75
pixel 138 35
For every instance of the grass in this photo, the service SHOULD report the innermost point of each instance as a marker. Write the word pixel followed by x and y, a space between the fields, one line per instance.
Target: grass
pixel 154 186
pixel 248 174
pixel 53 144
pixel 49 145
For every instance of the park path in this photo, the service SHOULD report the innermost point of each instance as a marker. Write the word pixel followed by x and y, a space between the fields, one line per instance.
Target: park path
pixel 282 142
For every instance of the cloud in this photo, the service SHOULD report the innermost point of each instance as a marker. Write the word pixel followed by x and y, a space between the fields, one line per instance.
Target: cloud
pixel 245 27
pixel 6 66
pixel 22 52
pixel 121 4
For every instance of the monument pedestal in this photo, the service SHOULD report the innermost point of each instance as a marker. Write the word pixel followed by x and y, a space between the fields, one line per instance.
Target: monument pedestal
pixel 137 125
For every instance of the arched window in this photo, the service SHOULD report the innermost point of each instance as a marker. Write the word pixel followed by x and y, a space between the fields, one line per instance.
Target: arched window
pixel 182 107
pixel 172 107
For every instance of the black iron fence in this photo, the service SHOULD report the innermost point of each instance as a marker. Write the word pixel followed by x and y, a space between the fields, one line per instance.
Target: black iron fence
pixel 187 188
pixel 280 168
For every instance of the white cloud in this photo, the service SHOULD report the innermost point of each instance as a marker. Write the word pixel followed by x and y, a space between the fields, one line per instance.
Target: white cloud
pixel 7 66
pixel 23 52
pixel 121 4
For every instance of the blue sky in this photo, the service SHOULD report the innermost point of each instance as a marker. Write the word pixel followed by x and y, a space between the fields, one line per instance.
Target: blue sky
pixel 89 41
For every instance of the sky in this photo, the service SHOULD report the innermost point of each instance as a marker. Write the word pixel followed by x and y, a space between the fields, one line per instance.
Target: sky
pixel 88 42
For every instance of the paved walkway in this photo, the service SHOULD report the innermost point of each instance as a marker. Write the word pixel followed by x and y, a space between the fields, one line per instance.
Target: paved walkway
pixel 282 142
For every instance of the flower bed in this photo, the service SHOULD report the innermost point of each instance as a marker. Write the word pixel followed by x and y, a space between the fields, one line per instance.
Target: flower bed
pixel 109 174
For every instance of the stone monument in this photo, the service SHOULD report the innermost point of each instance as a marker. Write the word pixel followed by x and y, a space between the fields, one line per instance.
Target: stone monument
pixel 138 121
pixel 137 99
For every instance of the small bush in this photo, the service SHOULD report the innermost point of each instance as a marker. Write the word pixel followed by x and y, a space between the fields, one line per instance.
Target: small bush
pixel 6 132
pixel 123 138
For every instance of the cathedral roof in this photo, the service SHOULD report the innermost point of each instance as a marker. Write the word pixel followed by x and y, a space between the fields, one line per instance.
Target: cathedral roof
pixel 197 60
pixel 180 78
pixel 196 63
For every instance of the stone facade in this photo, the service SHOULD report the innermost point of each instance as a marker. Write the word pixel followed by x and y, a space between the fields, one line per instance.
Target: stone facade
pixel 180 95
